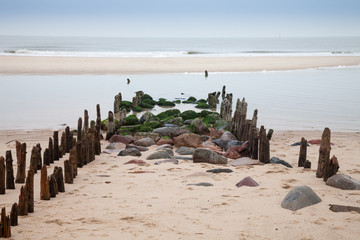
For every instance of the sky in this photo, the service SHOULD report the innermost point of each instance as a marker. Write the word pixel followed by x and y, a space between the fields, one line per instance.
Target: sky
pixel 180 18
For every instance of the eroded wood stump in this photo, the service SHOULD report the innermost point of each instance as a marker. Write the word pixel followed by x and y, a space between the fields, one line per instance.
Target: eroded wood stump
pixel 44 190
pixel 302 153
pixel 58 173
pixel 52 186
pixel 86 120
pixel 23 201
pixel 137 99
pixel 110 126
pixel 117 104
pixel 73 162
pixel 30 188
pixel 264 146
pixel 46 157
pixel 2 175
pixel 14 215
pixel 226 108
pixel 79 154
pixel 68 172
pixel 39 159
pixel 331 168
pixel 68 139
pixel 7 227
pixel 56 146
pixel 79 129
pixel 51 150
pixel 269 134
pixel 324 153
pixel 10 184
pixel 21 162
pixel 63 144
pixel 34 159
pixel 238 122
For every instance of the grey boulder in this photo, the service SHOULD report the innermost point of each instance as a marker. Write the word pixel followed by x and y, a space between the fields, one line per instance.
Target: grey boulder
pixel 208 156
pixel 145 142
pixel 300 197
pixel 344 182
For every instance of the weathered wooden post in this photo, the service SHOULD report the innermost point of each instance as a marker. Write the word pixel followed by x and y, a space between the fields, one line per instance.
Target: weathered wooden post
pixel 14 215
pixel 21 162
pixel 7 227
pixel 68 172
pixel 226 108
pixel 46 157
pixel 58 173
pixel 264 146
pixel 86 120
pixel 56 145
pixel 79 129
pixel 73 162
pixel 39 162
pixel 206 73
pixel 212 99
pixel 255 117
pixel 68 139
pixel 52 186
pixel 122 116
pixel 34 159
pixel 255 143
pixel 23 201
pixel 10 184
pixel 117 104
pixel 51 150
pixel 44 191
pixel 137 99
pixel 79 154
pixel 302 153
pixel 30 188
pixel 239 120
pixel 223 92
pixel 324 153
pixel 331 168
pixel 2 175
pixel 98 128
pixel 110 126
pixel 269 134
pixel 63 144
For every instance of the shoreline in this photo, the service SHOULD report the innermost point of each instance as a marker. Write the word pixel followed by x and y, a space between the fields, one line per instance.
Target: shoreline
pixel 20 65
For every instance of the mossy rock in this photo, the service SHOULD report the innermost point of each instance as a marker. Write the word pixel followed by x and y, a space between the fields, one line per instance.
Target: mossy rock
pixel 204 113
pixel 173 112
pixel 126 105
pixel 189 114
pixel 131 120
pixel 150 125
pixel 137 109
pixel 185 102
pixel 201 101
pixel 166 104
pixel 146 97
pixel 191 99
pixel 202 105
pixel 175 120
pixel 222 125
pixel 147 105
pixel 211 119
pixel 131 128
pixel 165 137
pixel 177 101
pixel 162 99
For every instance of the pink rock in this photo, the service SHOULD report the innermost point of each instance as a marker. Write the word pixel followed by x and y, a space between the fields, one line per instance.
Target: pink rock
pixel 187 140
pixel 210 145
pixel 134 161
pixel 165 141
pixel 123 139
pixel 316 141
pixel 248 181
pixel 216 133
pixel 232 153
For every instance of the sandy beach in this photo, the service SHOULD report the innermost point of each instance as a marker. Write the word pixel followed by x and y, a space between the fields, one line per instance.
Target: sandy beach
pixel 106 201
pixel 82 65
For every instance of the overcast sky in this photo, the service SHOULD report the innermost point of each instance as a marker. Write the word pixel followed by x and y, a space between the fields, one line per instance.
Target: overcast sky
pixel 180 18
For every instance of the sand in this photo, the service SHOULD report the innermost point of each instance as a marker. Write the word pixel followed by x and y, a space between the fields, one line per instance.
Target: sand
pixel 83 65
pixel 160 205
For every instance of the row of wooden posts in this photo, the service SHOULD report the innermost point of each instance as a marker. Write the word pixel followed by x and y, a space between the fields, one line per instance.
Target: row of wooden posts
pixel 82 150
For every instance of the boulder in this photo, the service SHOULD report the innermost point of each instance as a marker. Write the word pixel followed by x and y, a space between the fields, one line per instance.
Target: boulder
pixel 344 182
pixel 300 197
pixel 222 125
pixel 140 148
pixel 174 161
pixel 227 136
pixel 221 143
pixel 232 154
pixel 178 131
pixel 244 161
pixel 165 153
pixel 165 141
pixel 277 160
pixel 238 151
pixel 141 135
pixel 185 151
pixel 116 145
pixel 248 181
pixel 187 140
pixel 178 121
pixel 122 139
pixel 215 133
pixel 188 122
pixel 164 131
pixel 220 170
pixel 199 127
pixel 145 142
pixel 168 146
pixel 208 156
pixel 146 117
pixel 233 143
pixel 170 125
pixel 130 152
pixel 210 145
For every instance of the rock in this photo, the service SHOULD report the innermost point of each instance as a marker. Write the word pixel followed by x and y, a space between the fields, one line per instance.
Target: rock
pixel 280 161
pixel 341 208
pixel 185 151
pixel 232 154
pixel 233 143
pixel 145 142
pixel 122 139
pixel 164 131
pixel 199 127
pixel 238 151
pixel 178 131
pixel 298 144
pixel 202 184
pixel 182 158
pixel 187 140
pixel 165 153
pixel 222 125
pixel 176 121
pixel 174 161
pixel 165 141
pixel 344 182
pixel 248 181
pixel 244 161
pixel 300 197
pixel 129 152
pixel 204 138
pixel 221 143
pixel 140 148
pixel 138 162
pixel 170 125
pixel 146 117
pixel 307 164
pixel 208 156
pixel 316 142
pixel 141 135
pixel 215 134
pixel 188 122
pixel 167 146
pixel 210 145
pixel 227 136
pixel 116 145
pixel 220 170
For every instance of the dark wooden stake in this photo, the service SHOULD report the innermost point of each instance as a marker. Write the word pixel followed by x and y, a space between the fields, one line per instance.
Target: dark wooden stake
pixel 2 175
pixel 79 129
pixel 68 172
pixel 14 215
pixel 79 154
pixel 324 153
pixel 52 186
pixel 23 201
pixel 73 162
pixel 86 120
pixel 226 108
pixel 307 164
pixel 303 152
pixel 34 159
pixel 110 126
pixel 331 168
pixel 7 227
pixel 270 133
pixel 63 144
pixel 58 173
pixel 39 163
pixel 51 150
pixel 44 191
pixel 264 146
pixel 68 139
pixel 46 157
pixel 21 162
pixel 56 146
pixel 30 189
pixel 10 184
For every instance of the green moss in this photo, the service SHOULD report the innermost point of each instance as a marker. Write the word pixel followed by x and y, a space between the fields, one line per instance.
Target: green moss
pixel 152 124
pixel 204 113
pixel 166 104
pixel 126 105
pixel 211 119
pixel 202 105
pixel 165 137
pixel 131 120
pixel 191 99
pixel 146 97
pixel 137 109
pixel 188 102
pixel 104 121
pixel 177 101
pixel 222 125
pixel 189 114
pixel 175 120
pixel 201 101
pixel 173 112
pixel 131 128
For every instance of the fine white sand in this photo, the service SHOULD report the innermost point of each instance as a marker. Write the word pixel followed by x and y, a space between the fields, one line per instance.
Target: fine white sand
pixel 82 65
pixel 160 205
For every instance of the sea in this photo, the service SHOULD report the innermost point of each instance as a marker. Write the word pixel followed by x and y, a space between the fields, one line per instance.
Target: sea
pixel 309 99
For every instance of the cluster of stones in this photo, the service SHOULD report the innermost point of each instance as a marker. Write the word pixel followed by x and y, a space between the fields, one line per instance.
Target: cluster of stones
pixel 82 150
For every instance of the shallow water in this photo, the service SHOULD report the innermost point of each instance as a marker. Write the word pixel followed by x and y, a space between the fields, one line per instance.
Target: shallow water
pixel 286 100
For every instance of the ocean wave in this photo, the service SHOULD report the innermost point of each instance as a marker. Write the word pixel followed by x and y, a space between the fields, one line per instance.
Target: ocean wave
pixel 191 53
